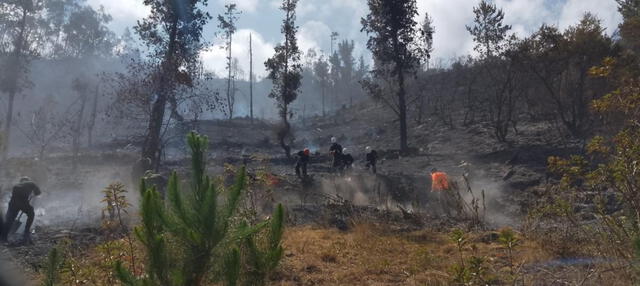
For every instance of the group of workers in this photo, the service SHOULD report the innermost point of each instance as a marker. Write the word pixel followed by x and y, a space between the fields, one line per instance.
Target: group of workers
pixel 26 189
pixel 341 159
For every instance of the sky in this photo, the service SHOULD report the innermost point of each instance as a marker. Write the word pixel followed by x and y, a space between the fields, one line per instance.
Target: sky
pixel 318 18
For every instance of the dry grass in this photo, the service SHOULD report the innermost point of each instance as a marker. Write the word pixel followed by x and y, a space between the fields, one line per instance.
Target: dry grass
pixel 371 254
pixel 367 255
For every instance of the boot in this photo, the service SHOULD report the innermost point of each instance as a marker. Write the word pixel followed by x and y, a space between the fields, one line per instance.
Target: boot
pixel 26 239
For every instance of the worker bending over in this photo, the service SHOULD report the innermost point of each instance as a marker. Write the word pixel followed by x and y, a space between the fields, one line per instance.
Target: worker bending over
pixel 304 157
pixel 19 202
pixel 336 152
pixel 371 159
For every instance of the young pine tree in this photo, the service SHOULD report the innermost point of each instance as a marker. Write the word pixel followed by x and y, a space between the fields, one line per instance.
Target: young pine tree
pixel 182 241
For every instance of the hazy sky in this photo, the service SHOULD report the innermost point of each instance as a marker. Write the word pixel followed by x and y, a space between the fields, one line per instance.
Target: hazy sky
pixel 318 18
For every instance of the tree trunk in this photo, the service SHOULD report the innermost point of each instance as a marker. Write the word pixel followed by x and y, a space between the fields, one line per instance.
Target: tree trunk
pixel 7 126
pixel 152 142
pixel 250 79
pixel 14 82
pixel 323 100
pixel 402 106
pixel 92 119
pixel 229 66
pixel 77 132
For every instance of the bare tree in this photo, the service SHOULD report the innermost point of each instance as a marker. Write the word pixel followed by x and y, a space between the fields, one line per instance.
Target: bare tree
pixel 173 31
pixel 394 41
pixel 20 28
pixel 285 71
pixel 227 23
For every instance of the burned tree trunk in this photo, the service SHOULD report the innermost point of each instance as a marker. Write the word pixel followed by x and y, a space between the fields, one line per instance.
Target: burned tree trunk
pixel 151 147
pixel 92 119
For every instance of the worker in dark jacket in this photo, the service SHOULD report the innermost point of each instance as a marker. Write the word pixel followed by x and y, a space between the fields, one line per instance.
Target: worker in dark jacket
pixel 371 159
pixel 347 159
pixel 19 202
pixel 336 153
pixel 304 157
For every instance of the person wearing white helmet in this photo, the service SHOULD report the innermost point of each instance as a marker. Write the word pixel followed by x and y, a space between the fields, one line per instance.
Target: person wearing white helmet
pixel 19 202
pixel 371 159
pixel 336 152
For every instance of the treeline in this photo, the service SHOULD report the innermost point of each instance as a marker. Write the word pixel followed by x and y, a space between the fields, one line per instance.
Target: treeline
pixel 65 33
pixel 333 81
pixel 542 77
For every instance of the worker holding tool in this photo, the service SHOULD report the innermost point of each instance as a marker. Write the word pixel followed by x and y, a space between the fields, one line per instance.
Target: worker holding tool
pixel 20 202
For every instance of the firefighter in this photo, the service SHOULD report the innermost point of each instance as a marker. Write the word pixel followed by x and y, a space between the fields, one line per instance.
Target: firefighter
pixel 439 181
pixel 304 157
pixel 19 202
pixel 371 159
pixel 347 159
pixel 336 152
pixel 440 185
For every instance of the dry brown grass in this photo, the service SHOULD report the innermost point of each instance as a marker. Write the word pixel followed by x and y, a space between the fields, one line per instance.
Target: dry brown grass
pixel 373 254
pixel 369 255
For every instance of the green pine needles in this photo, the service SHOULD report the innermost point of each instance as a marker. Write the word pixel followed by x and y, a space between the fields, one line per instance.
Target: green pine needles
pixel 196 236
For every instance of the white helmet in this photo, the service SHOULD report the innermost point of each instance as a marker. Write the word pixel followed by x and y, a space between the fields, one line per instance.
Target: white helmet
pixel 344 150
pixel 333 139
pixel 368 149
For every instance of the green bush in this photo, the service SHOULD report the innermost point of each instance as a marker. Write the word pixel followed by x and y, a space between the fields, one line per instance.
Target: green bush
pixel 194 238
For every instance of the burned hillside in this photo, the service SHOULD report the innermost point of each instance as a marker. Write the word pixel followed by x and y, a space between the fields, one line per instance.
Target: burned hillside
pixel 373 142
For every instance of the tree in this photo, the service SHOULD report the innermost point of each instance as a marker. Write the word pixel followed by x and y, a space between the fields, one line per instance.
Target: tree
pixel 394 42
pixel 492 43
pixel 347 67
pixel 428 30
pixel 334 77
pixel 630 26
pixel 86 34
pixel 560 62
pixel 489 32
pixel 19 24
pixel 173 32
pixel 251 78
pixel 321 72
pixel 285 71
pixel 227 24
pixel 46 126
pixel 195 237
pixel 82 86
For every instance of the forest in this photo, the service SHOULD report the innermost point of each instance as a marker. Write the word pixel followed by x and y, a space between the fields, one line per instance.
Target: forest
pixel 129 158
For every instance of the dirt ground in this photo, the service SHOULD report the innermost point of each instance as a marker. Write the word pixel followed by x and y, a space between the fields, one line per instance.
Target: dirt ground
pixel 336 234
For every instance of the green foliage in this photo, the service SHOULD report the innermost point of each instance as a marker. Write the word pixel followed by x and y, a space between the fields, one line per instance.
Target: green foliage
pixel 471 271
pixel 488 31
pixel 182 240
pixel 52 267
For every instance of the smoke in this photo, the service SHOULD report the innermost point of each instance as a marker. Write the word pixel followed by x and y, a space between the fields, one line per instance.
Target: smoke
pixel 74 202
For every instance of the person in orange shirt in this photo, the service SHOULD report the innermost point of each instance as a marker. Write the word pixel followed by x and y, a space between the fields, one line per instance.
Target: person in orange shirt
pixel 440 186
pixel 439 181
